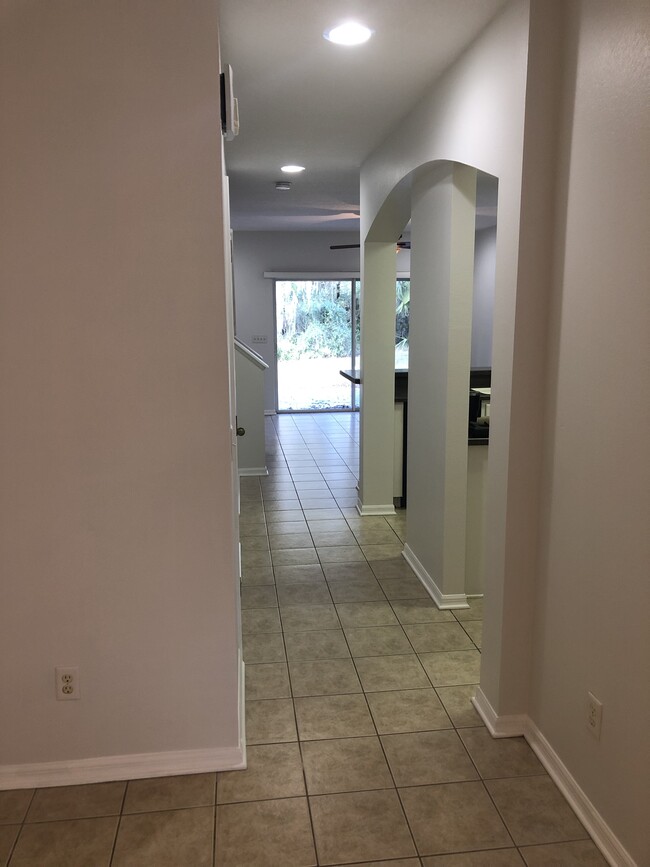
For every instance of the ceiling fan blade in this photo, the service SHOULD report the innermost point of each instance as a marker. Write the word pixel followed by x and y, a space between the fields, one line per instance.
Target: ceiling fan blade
pixel 403 245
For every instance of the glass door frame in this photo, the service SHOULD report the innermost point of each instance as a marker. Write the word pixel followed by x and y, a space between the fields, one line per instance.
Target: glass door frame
pixel 355 311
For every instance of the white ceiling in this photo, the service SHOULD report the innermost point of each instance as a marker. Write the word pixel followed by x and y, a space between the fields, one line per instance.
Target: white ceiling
pixel 305 100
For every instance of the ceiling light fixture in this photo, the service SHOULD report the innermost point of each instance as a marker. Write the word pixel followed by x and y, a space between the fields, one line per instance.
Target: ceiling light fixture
pixel 282 185
pixel 349 33
pixel 292 170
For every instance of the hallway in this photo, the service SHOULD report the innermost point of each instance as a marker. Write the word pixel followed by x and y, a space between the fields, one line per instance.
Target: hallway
pixel 363 746
pixel 358 692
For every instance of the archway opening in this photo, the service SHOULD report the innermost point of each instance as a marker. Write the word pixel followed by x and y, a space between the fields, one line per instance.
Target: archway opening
pixel 448 211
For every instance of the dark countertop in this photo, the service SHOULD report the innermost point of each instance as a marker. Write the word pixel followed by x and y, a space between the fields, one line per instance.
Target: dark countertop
pixel 401 382
pixel 401 391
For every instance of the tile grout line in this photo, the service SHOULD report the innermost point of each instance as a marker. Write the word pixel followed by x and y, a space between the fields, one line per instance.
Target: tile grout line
pixel 21 826
pixel 119 822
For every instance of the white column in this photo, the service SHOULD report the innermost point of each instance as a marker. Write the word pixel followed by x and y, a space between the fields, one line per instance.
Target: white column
pixel 378 275
pixel 442 263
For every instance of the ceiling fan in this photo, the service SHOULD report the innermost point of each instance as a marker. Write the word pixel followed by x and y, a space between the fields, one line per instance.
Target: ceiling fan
pixel 401 245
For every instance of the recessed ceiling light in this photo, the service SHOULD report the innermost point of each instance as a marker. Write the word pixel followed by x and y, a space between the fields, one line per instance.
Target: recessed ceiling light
pixel 292 170
pixel 349 33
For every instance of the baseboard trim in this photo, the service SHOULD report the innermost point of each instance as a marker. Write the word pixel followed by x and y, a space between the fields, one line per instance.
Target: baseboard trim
pixel 270 412
pixel 253 471
pixel 135 766
pixel 511 726
pixel 369 511
pixel 241 686
pixel 520 724
pixel 611 847
pixel 442 600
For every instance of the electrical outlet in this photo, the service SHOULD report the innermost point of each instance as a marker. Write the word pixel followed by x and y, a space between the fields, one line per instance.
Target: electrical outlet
pixel 67 683
pixel 594 715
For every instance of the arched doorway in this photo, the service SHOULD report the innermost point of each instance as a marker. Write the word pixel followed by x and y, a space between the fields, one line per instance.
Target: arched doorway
pixel 440 200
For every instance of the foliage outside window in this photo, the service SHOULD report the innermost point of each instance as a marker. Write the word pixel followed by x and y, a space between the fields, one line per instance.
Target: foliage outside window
pixel 314 319
pixel 402 310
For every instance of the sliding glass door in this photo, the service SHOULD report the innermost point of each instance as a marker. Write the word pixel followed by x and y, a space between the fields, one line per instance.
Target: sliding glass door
pixel 402 314
pixel 317 336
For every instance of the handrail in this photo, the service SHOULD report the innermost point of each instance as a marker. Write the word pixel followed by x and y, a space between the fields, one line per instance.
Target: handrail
pixel 249 353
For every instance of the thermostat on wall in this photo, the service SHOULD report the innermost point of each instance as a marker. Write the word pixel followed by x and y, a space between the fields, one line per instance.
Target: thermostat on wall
pixel 229 105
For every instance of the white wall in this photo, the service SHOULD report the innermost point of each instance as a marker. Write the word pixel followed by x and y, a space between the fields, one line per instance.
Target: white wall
pixel 115 524
pixel 593 594
pixel 477 463
pixel 251 446
pixel 485 250
pixel 442 277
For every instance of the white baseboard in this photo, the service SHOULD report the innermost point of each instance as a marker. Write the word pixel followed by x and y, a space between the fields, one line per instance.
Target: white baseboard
pixel 135 766
pixel 520 724
pixel 511 726
pixel 270 412
pixel 442 600
pixel 611 847
pixel 241 687
pixel 370 511
pixel 253 471
pixel 138 766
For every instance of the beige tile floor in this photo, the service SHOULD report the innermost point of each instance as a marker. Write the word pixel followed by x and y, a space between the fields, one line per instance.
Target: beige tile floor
pixel 363 745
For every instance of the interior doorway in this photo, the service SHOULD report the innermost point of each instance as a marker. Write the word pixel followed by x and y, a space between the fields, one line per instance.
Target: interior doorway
pixel 317 335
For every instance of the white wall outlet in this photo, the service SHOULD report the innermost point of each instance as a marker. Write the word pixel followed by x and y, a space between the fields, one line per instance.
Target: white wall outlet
pixel 67 683
pixel 594 715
